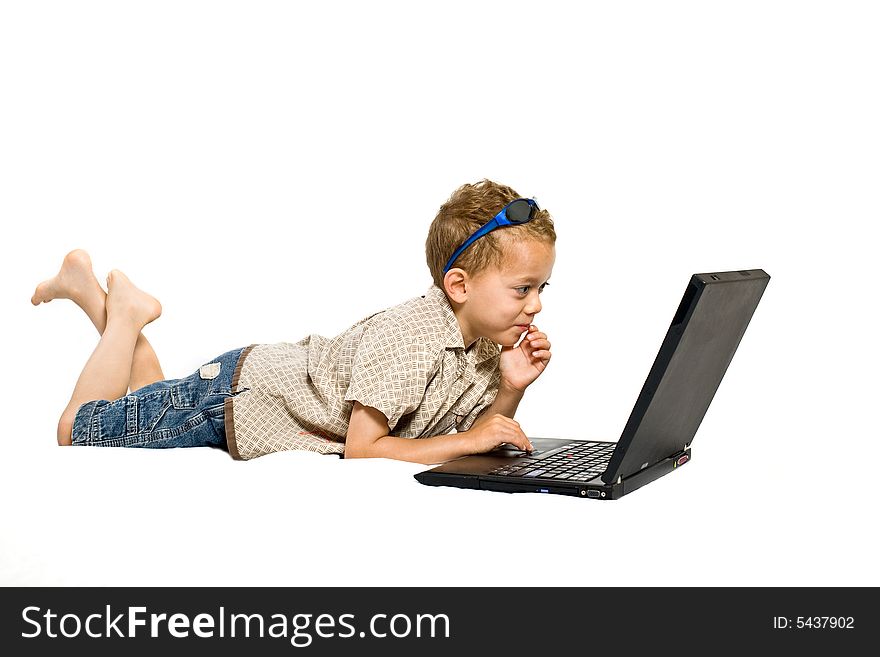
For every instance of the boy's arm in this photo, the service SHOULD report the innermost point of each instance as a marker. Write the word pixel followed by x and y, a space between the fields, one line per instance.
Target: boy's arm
pixel 368 437
pixel 506 402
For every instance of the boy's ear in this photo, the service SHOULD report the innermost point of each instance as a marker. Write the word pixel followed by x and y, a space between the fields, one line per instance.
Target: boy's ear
pixel 455 284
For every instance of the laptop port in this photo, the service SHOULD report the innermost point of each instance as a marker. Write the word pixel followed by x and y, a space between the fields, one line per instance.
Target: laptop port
pixel 592 493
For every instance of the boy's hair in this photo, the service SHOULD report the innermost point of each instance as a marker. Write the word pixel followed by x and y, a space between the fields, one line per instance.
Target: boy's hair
pixel 469 207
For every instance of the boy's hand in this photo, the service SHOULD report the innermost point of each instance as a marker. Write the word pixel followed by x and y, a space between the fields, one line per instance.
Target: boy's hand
pixel 490 433
pixel 520 366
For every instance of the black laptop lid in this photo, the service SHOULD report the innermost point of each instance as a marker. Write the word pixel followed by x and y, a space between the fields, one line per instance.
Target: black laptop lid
pixel 704 334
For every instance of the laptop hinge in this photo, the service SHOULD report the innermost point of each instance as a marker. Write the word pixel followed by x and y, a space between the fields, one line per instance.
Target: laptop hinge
pixel 619 479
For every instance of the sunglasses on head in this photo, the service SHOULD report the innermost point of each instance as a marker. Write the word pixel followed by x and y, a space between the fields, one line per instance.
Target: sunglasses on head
pixel 519 211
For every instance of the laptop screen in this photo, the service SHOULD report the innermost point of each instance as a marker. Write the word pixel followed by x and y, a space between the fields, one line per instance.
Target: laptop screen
pixel 705 333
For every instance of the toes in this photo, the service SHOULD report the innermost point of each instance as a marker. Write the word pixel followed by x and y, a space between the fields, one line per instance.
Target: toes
pixel 41 295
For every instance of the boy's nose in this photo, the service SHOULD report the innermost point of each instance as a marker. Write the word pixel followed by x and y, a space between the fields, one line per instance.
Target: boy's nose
pixel 533 307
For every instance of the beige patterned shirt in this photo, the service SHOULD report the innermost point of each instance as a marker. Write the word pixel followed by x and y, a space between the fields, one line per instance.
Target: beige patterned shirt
pixel 408 361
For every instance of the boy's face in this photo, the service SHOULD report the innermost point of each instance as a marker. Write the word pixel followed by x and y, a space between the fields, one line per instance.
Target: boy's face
pixel 502 302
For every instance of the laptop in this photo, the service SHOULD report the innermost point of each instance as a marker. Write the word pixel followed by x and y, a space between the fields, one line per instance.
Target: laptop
pixel 704 334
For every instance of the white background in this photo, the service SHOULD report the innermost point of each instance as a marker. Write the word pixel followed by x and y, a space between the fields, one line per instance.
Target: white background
pixel 269 170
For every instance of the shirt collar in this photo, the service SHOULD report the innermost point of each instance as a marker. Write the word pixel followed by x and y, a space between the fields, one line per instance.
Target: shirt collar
pixel 482 351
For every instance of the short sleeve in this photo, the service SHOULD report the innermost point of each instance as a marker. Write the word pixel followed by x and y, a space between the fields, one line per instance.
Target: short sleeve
pixel 389 371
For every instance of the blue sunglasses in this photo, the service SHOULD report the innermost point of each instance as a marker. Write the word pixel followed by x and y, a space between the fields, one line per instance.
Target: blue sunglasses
pixel 520 211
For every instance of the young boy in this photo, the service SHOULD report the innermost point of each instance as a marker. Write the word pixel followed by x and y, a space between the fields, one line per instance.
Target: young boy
pixel 421 369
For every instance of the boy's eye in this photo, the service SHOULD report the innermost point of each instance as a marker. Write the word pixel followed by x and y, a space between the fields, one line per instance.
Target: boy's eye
pixel 524 289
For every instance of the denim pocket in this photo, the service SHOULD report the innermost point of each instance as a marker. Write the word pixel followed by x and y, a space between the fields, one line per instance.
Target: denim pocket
pixel 116 419
pixel 185 394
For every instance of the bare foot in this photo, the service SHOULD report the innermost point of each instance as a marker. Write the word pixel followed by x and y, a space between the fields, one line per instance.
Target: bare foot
pixel 124 300
pixel 75 281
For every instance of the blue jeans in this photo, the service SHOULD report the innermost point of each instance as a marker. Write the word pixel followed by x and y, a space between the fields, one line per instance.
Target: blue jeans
pixel 176 413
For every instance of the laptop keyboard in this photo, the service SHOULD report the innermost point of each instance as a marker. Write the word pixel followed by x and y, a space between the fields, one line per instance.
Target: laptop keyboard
pixel 578 461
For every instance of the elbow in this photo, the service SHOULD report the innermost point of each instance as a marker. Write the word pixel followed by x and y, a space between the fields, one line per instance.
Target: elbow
pixel 360 449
